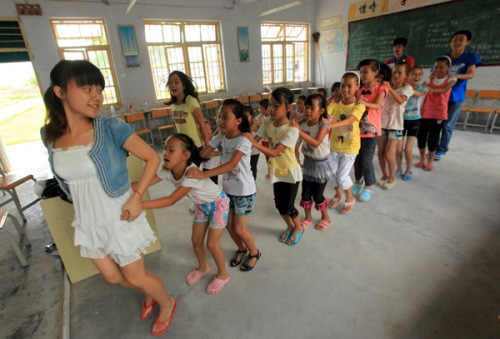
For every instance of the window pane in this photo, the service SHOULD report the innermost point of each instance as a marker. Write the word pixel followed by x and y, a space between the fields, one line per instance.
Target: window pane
pixel 284 60
pixel 212 65
pixel 295 33
pixel 171 33
pixel 74 55
pixel 272 32
pixel 208 33
pixel 196 67
pixel 266 64
pixel 192 32
pixel 160 70
pixel 85 34
pixel 154 33
pixel 289 61
pixel 300 61
pixel 278 63
pixel 202 62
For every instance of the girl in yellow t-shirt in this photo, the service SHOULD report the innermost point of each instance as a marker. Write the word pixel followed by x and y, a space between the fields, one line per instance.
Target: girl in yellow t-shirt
pixel 186 110
pixel 345 141
pixel 285 171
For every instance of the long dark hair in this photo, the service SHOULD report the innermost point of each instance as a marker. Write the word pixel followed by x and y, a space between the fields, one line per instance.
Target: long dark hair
pixel 189 88
pixel 284 96
pixel 322 104
pixel 239 113
pixel 189 146
pixel 83 73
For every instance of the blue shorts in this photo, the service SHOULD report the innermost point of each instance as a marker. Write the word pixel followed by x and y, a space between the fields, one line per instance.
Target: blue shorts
pixel 215 212
pixel 395 134
pixel 242 205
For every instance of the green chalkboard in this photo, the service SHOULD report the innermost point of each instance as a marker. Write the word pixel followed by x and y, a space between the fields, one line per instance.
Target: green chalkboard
pixel 428 30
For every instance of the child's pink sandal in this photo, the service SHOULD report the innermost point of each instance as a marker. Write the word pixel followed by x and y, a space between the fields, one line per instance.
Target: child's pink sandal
pixel 420 164
pixel 348 206
pixel 217 285
pixel 334 202
pixel 305 223
pixel 194 276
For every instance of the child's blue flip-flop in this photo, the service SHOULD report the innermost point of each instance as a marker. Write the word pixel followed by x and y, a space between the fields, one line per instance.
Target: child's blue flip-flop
pixel 295 237
pixel 407 176
pixel 284 236
pixel 398 173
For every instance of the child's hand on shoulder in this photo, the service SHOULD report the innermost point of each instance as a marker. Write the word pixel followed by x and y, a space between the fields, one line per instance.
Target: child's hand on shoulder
pixel 249 136
pixel 361 101
pixel 294 124
pixel 194 173
pixel 387 83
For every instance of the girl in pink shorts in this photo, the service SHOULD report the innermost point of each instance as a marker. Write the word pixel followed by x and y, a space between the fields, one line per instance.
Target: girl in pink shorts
pixel 212 207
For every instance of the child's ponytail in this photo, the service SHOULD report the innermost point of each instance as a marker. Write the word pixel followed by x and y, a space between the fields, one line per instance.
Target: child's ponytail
pixel 189 146
pixel 55 118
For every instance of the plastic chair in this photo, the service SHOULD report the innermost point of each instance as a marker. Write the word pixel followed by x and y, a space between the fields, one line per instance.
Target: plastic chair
pixel 494 120
pixel 8 184
pixel 139 122
pixel 163 113
pixel 487 94
pixel 243 100
pixel 211 108
pixel 22 237
pixel 469 94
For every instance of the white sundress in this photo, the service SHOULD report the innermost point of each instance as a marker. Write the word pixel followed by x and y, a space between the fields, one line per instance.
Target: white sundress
pixel 98 228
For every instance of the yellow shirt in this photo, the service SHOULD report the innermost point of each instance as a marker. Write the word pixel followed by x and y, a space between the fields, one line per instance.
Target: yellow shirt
pixel 345 139
pixel 184 119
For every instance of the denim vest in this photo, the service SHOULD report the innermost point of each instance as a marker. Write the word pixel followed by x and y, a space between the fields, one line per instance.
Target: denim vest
pixel 107 154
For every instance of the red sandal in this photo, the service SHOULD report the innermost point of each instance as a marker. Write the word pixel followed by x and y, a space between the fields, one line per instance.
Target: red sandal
pixel 160 323
pixel 151 307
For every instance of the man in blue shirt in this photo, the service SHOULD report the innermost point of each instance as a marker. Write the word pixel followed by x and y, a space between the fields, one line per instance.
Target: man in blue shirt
pixel 463 67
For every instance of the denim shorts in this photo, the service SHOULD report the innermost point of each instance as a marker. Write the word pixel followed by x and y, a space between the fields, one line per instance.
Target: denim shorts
pixel 395 134
pixel 242 205
pixel 216 212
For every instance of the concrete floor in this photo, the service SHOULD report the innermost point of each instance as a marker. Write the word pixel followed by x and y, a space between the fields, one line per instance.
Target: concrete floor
pixel 418 261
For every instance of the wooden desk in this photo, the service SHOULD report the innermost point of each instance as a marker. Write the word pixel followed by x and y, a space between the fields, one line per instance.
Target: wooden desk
pixel 60 214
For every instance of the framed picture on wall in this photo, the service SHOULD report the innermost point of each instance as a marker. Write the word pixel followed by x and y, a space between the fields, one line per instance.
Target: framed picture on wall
pixel 243 44
pixel 129 46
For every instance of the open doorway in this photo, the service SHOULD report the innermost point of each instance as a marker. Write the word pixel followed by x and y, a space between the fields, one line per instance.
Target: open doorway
pixel 22 110
pixel 22 113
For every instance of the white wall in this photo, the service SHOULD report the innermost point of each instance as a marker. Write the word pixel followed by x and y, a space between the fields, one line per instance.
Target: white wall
pixel 137 84
pixel 334 67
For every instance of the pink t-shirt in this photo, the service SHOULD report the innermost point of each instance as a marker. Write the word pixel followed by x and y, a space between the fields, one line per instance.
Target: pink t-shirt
pixel 435 105
pixel 370 125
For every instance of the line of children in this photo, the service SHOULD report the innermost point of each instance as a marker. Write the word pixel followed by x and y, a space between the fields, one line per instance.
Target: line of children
pixel 345 141
pixel 411 123
pixel 371 95
pixel 237 181
pixel 434 111
pixel 298 111
pixel 285 171
pixel 211 207
pixel 392 124
pixel 318 167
